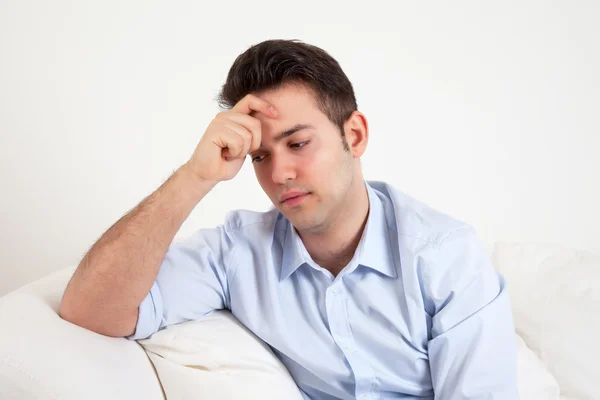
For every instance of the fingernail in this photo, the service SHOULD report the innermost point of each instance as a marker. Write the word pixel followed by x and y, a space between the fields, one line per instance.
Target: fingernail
pixel 272 110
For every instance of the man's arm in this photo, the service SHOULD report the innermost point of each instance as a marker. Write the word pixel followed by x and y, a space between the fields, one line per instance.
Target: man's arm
pixel 119 270
pixel 472 347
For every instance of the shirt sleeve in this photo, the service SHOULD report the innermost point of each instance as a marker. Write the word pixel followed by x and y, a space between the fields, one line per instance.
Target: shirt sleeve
pixel 472 347
pixel 191 282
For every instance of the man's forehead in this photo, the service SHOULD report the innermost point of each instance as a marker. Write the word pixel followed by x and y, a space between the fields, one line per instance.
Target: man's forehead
pixel 296 111
pixel 290 99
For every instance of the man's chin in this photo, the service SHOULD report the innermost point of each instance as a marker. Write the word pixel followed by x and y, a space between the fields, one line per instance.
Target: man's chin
pixel 306 223
pixel 302 217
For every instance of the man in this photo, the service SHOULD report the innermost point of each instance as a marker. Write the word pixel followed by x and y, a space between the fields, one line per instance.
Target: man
pixel 360 290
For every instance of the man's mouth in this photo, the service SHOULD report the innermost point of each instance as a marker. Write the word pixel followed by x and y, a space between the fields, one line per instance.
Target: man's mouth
pixel 293 198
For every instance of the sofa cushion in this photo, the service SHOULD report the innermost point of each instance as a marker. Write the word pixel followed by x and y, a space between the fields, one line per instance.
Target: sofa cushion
pixel 555 295
pixel 216 357
pixel 44 357
pixel 534 380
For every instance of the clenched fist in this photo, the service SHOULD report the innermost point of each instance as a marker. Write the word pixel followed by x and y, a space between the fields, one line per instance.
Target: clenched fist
pixel 230 136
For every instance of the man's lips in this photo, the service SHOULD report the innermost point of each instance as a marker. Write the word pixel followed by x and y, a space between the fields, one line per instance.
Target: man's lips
pixel 291 195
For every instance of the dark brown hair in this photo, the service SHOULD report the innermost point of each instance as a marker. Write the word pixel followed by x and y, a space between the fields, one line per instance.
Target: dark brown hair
pixel 272 63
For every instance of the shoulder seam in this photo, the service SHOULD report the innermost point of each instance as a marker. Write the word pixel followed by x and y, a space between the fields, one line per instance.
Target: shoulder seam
pixel 437 243
pixel 234 228
pixel 461 228
pixel 238 228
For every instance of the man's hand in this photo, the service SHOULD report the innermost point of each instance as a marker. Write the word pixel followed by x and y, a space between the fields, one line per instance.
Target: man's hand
pixel 230 136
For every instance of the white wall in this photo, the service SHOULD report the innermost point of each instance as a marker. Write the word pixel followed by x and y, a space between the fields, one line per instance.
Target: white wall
pixel 486 110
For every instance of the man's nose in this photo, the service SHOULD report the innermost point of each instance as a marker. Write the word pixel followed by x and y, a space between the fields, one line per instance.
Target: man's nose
pixel 283 169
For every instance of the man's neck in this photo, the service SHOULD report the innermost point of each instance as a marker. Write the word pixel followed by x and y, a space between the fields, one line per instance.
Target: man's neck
pixel 334 247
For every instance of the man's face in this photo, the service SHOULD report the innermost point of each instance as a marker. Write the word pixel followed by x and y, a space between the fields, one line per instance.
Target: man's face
pixel 302 156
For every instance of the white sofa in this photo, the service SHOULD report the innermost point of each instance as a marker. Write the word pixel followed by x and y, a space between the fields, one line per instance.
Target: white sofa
pixel 555 293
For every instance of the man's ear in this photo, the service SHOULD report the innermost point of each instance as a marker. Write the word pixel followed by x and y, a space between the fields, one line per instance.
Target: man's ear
pixel 356 129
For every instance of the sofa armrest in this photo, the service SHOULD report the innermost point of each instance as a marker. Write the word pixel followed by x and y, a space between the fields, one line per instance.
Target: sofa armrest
pixel 43 356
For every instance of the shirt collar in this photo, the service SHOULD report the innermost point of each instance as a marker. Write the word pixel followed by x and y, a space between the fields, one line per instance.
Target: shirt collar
pixel 374 249
pixel 292 252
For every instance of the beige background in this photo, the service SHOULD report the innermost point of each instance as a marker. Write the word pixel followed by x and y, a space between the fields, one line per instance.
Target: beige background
pixel 485 110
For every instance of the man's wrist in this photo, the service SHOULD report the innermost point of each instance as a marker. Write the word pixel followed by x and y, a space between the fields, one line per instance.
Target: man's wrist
pixel 193 182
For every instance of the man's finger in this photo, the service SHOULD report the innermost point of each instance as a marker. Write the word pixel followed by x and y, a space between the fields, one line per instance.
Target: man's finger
pixel 232 144
pixel 246 137
pixel 252 103
pixel 251 124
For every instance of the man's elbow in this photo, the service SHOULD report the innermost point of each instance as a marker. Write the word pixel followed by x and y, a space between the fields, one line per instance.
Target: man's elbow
pixel 95 321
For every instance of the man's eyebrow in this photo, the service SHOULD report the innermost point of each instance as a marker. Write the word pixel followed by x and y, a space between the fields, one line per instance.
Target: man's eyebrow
pixel 288 132
pixel 291 131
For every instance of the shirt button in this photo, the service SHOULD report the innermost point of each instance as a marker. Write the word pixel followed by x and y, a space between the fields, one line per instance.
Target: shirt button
pixel 334 290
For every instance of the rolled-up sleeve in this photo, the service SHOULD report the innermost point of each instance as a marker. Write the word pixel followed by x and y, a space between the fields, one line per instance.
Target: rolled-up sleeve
pixel 472 347
pixel 191 282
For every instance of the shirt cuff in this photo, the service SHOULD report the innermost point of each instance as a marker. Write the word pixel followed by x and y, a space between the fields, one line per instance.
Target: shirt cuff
pixel 149 315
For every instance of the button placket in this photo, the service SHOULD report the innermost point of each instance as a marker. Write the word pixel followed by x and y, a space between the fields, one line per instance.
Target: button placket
pixel 339 327
pixel 336 314
pixel 363 372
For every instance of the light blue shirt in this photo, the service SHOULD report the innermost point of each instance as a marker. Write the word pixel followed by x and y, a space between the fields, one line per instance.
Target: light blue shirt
pixel 418 311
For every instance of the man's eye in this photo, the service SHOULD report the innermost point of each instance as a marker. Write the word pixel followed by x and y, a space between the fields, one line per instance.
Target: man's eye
pixel 257 159
pixel 299 145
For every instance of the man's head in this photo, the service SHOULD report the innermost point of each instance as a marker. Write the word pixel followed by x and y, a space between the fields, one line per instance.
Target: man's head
pixel 314 144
